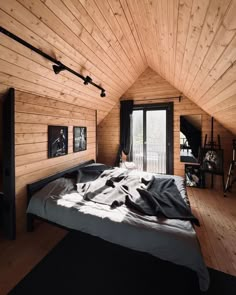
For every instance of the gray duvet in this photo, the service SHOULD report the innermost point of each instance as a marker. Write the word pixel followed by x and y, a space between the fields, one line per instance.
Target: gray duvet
pixel 173 240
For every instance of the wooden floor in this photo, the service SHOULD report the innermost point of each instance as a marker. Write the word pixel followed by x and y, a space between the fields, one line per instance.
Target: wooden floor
pixel 217 233
pixel 217 236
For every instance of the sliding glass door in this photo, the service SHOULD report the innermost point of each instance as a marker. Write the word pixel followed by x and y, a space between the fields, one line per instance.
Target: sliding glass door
pixel 152 133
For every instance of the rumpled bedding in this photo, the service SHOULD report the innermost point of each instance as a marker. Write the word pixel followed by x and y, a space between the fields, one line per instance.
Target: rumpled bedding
pixel 148 195
pixel 173 240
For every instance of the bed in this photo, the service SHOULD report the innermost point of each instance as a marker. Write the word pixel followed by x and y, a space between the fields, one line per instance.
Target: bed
pixel 61 199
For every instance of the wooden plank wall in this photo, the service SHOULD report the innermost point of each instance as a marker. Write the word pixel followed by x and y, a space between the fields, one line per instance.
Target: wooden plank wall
pixel 191 43
pixel 109 136
pixel 149 86
pixel 33 114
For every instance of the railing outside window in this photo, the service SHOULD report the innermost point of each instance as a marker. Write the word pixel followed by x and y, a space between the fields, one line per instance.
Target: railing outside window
pixel 156 157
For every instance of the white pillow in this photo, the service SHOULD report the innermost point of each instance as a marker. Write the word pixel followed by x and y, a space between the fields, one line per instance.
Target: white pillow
pixel 128 165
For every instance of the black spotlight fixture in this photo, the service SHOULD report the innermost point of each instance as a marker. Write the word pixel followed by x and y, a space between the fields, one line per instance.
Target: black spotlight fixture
pixel 103 93
pixel 58 69
pixel 87 80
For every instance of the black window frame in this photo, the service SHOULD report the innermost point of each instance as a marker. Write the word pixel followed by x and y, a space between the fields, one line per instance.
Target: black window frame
pixel 169 108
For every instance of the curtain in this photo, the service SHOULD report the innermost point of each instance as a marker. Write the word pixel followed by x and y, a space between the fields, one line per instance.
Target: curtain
pixel 126 109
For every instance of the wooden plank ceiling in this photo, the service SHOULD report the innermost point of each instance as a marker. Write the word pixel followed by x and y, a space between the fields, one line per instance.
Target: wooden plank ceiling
pixel 190 43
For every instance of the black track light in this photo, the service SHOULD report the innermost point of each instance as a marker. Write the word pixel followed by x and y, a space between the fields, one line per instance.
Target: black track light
pixel 87 80
pixel 103 93
pixel 58 69
pixel 57 65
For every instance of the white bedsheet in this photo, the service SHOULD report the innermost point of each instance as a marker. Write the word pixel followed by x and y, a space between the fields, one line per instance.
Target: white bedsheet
pixel 169 239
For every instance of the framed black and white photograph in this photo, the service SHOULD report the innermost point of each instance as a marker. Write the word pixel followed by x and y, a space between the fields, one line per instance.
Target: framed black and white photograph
pixel 193 176
pixel 212 160
pixel 57 141
pixel 79 139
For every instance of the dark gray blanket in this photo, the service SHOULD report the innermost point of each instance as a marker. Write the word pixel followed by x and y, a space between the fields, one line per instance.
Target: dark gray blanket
pixel 162 198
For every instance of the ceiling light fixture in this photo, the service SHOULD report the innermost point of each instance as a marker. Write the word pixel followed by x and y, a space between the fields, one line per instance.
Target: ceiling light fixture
pixel 103 93
pixel 58 66
pixel 58 69
pixel 87 80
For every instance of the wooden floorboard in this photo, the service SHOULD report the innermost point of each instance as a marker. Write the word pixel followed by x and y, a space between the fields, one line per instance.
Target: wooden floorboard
pixel 217 236
pixel 217 233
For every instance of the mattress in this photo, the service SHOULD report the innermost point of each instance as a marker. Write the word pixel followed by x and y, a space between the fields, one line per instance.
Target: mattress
pixel 172 240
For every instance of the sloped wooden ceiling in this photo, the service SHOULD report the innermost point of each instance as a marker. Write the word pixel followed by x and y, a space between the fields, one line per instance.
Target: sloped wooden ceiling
pixel 191 43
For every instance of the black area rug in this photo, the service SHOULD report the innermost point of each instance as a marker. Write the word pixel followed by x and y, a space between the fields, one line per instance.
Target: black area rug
pixel 82 264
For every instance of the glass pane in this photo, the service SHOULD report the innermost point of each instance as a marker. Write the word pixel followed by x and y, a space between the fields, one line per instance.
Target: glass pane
pixel 138 139
pixel 156 141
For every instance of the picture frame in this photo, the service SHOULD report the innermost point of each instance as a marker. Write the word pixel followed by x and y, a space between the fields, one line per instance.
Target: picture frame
pixel 57 141
pixel 212 160
pixel 194 176
pixel 79 139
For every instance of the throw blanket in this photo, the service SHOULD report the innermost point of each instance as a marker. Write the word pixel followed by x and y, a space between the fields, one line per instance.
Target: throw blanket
pixel 162 198
pixel 150 196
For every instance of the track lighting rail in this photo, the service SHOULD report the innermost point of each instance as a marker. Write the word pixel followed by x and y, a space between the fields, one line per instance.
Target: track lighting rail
pixel 58 66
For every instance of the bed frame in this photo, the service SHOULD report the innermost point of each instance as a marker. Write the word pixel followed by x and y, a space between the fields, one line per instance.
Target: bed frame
pixel 35 186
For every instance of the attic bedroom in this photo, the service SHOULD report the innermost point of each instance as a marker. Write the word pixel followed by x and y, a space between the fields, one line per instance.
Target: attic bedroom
pixel 118 146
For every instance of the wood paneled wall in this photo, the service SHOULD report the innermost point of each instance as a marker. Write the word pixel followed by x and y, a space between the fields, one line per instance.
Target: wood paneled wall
pixel 149 86
pixel 33 114
pixel 191 43
pixel 86 36
pixel 109 137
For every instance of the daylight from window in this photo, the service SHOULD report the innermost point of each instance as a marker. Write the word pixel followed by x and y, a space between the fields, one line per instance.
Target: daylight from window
pixel 150 149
